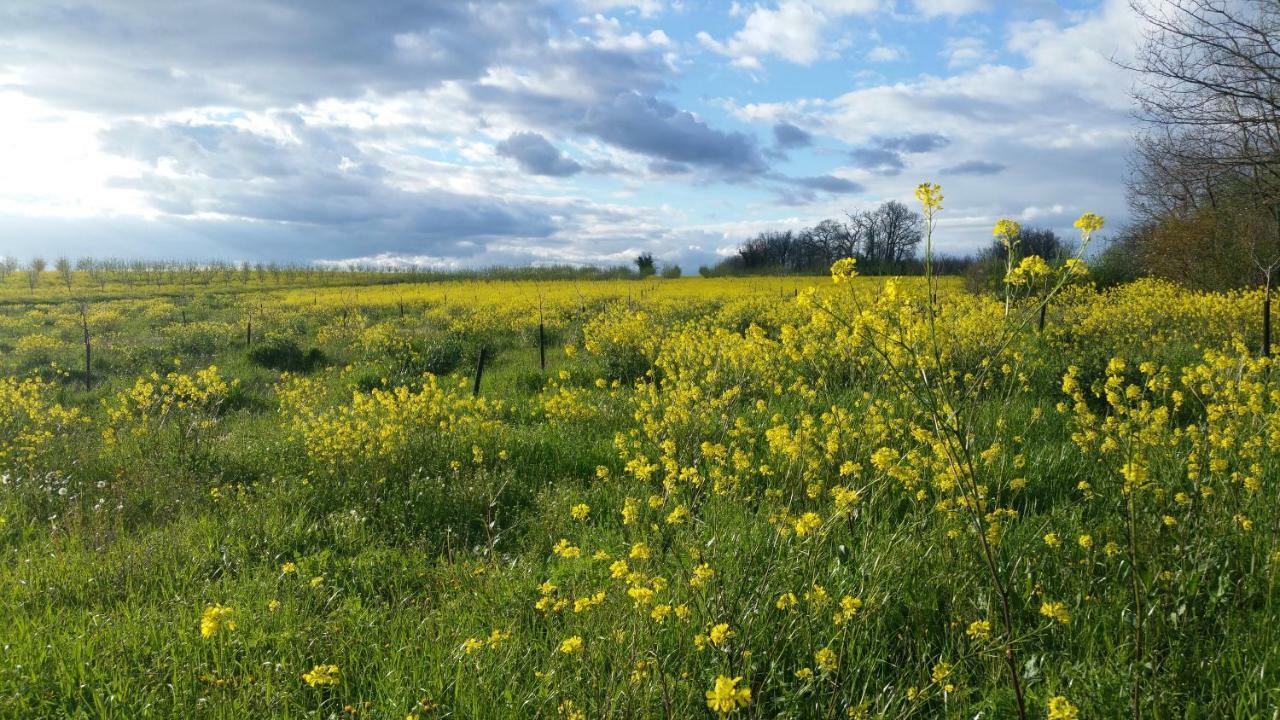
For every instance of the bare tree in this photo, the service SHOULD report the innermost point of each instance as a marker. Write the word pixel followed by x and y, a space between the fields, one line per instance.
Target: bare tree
pixel 1209 93
pixel 34 270
pixel 772 250
pixel 63 266
pixel 888 234
pixel 1210 70
pixel 831 240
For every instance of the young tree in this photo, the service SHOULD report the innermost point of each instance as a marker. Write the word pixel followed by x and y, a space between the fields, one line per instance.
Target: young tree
pixel 34 269
pixel 63 266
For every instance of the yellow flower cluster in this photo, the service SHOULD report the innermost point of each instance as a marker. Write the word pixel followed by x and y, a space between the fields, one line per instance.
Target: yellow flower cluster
pixel 186 404
pixel 325 674
pixel 387 425
pixel 31 423
pixel 216 619
pixel 727 695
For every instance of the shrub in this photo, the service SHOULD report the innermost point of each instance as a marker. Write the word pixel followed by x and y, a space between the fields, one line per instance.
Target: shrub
pixel 280 352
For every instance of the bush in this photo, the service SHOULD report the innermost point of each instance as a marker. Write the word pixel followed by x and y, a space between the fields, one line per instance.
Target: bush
pixel 198 338
pixel 1115 265
pixel 441 355
pixel 280 352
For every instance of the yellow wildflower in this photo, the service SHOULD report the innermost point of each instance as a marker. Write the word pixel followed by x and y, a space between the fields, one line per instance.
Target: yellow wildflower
pixel 726 697
pixel 322 675
pixel 826 660
pixel 720 634
pixel 844 270
pixel 215 619
pixel 979 629
pixel 1055 611
pixel 930 197
pixel 1061 709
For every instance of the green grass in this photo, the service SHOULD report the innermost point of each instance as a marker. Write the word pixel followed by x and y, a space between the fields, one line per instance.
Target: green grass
pixel 109 559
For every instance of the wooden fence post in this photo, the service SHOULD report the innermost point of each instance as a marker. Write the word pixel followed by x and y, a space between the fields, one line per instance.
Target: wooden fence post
pixel 475 386
pixel 88 348
pixel 542 346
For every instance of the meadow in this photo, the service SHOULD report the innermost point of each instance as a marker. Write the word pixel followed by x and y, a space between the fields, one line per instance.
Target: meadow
pixel 804 497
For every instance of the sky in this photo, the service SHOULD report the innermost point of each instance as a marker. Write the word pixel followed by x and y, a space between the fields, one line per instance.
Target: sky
pixel 455 134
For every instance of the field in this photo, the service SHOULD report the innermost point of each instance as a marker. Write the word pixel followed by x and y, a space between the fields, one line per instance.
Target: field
pixel 821 497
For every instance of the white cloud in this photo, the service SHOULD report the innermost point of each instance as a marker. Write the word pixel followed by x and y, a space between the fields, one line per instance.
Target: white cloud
pixel 1058 129
pixel 1069 91
pixel 848 7
pixel 794 31
pixel 609 35
pixel 965 51
pixel 885 53
pixel 955 8
pixel 646 8
pixel 409 164
pixel 40 145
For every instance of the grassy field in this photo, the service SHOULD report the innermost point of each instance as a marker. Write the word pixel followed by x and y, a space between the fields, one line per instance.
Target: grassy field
pixel 803 497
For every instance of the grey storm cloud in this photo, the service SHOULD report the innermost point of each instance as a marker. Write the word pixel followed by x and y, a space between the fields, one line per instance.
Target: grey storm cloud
pixel 537 156
pixel 788 136
pixel 649 126
pixel 803 190
pixel 675 141
pixel 828 183
pixel 131 56
pixel 321 181
pixel 915 143
pixel 885 155
pixel 878 160
pixel 975 167
pixel 139 58
pixel 667 167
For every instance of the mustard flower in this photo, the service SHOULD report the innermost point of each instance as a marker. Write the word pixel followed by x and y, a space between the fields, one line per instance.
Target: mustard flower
pixel 215 619
pixel 826 660
pixel 1056 611
pixel 930 197
pixel 1007 230
pixel 1062 709
pixel 844 270
pixel 701 574
pixel 720 634
pixel 322 675
pixel 726 696
pixel 1089 223
pixel 979 629
pixel 807 523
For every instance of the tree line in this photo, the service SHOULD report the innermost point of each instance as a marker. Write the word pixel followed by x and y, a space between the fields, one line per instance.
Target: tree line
pixel 1205 177
pixel 95 274
pixel 884 240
